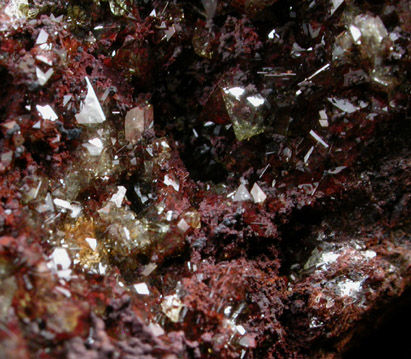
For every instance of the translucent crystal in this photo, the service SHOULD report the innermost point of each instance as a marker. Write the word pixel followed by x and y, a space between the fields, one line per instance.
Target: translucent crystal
pixel 343 104
pixel 192 218
pixel 258 194
pixel 237 92
pixel 148 269
pixel 17 9
pixel 210 7
pixel 169 181
pixel 169 33
pixel 94 146
pixel 355 33
pixel 242 194
pixel 92 242
pixel 47 112
pixel 42 37
pixel 256 100
pixel 183 225
pixel 33 192
pixel 349 287
pixel 61 262
pixel 75 209
pixel 245 113
pixel 43 77
pixel 308 154
pixel 318 139
pixel 137 121
pixel 323 118
pixel 335 4
pixel 248 341
pixel 47 206
pixel 118 197
pixel 91 111
pixel 372 29
pixel 171 306
pixel 240 329
pixel 141 288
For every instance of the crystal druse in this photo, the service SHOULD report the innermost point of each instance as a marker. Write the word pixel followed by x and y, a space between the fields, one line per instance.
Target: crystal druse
pixel 204 179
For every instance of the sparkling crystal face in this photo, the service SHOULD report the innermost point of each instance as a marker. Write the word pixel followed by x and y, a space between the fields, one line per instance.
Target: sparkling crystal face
pixel 214 179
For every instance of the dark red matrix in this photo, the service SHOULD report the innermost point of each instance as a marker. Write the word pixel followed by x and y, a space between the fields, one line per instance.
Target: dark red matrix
pixel 204 179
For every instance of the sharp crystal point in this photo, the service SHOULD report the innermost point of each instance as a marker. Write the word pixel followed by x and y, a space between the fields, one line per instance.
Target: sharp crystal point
pixel 210 7
pixel 137 120
pixel 92 242
pixel 242 194
pixel 168 181
pixel 118 197
pixel 42 37
pixel 47 112
pixel 258 194
pixel 335 5
pixel 182 225
pixel 43 77
pixel 91 111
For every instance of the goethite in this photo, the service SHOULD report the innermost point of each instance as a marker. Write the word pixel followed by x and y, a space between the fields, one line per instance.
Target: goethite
pixel 211 179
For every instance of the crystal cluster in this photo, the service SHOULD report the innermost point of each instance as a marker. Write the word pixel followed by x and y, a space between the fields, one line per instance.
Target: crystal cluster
pixel 211 179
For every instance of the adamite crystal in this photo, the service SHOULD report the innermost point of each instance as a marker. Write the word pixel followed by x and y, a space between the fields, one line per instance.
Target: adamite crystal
pixel 138 119
pixel 244 111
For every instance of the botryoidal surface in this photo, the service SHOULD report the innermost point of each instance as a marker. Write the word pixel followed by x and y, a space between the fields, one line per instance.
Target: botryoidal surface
pixel 202 179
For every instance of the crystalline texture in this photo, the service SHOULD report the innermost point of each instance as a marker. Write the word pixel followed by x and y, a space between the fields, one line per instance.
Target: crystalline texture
pixel 245 114
pixel 343 105
pixel 118 197
pixel 92 242
pixel 141 288
pixel 91 111
pixel 210 7
pixel 349 288
pixel 168 181
pixel 43 77
pixel 171 306
pixel 258 194
pixel 94 146
pixel 47 112
pixel 335 5
pixel 372 29
pixel 61 262
pixel 137 121
pixel 42 37
pixel 242 194
pixel 183 225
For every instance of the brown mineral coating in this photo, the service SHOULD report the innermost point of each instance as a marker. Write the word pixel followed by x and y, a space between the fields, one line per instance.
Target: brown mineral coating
pixel 303 275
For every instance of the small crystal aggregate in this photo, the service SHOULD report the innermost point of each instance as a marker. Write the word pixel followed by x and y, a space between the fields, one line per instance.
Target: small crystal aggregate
pixel 211 179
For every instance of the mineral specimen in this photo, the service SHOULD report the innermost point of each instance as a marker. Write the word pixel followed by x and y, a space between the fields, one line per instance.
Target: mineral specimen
pixel 214 179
